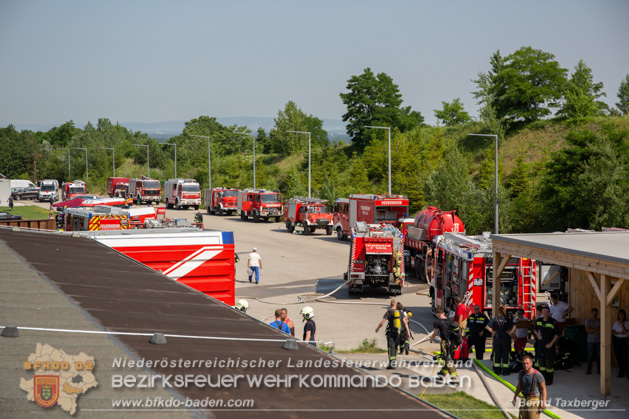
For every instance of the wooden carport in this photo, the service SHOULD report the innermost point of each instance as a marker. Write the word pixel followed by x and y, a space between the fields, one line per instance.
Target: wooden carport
pixel 603 257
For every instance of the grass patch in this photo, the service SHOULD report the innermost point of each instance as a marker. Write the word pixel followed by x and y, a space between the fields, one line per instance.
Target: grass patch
pixel 464 406
pixel 366 347
pixel 28 212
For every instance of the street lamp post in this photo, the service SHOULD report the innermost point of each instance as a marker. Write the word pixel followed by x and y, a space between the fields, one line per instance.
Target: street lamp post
pixel 175 144
pixel 306 132
pixel 68 161
pixel 254 155
pixel 147 158
pixel 87 173
pixel 496 180
pixel 209 172
pixel 113 158
pixel 388 129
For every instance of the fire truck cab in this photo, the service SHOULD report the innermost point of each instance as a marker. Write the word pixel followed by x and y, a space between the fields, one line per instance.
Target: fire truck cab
pixel 260 203
pixel 463 266
pixel 370 209
pixel 309 213
pixel 72 189
pixel 182 193
pixel 145 190
pixel 220 200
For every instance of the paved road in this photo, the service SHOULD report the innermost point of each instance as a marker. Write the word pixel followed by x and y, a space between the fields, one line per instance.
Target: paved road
pixel 297 266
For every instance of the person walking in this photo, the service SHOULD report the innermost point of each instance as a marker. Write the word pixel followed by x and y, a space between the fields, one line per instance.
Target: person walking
pixel 279 322
pixel 620 333
pixel 254 264
pixel 547 334
pixel 10 201
pixel 289 322
pixel 502 328
pixel 443 326
pixel 393 319
pixel 593 329
pixel 559 310
pixel 475 331
pixel 310 328
pixel 533 386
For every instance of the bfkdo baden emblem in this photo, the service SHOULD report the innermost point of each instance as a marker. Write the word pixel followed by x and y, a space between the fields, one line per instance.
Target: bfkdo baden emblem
pixel 46 389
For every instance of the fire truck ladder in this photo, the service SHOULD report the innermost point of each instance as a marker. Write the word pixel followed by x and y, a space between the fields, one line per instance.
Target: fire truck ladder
pixel 528 289
pixel 308 200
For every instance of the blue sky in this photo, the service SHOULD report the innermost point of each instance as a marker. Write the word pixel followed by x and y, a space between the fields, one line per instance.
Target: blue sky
pixel 152 61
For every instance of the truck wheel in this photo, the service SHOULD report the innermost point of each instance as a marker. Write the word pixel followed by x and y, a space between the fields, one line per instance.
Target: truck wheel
pixel 209 211
pixel 329 230
pixel 169 205
pixel 289 226
pixel 313 230
pixel 278 219
pixel 339 234
pixel 177 206
pixel 256 217
pixel 220 211
pixel 243 216
pixel 306 230
pixel 196 207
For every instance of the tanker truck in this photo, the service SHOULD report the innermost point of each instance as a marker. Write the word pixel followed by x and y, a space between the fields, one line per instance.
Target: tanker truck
pixel 419 233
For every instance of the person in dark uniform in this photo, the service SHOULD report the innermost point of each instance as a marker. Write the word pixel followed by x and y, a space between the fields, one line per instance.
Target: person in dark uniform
pixel 443 325
pixel 392 332
pixel 502 328
pixel 547 334
pixel 475 331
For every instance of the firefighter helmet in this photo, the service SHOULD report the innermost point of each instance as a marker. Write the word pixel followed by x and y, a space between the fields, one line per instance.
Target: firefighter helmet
pixel 307 312
pixel 242 305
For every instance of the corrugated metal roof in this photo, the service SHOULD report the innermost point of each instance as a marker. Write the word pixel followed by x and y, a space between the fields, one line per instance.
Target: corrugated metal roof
pixel 117 294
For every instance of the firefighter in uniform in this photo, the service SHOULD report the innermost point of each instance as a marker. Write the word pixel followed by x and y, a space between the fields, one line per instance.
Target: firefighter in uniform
pixel 446 328
pixel 547 334
pixel 475 331
pixel 394 322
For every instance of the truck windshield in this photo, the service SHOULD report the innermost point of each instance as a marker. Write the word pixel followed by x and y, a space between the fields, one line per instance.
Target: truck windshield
pixel 77 190
pixel 229 193
pixel 190 188
pixel 318 210
pixel 121 186
pixel 151 184
pixel 271 198
pixel 47 188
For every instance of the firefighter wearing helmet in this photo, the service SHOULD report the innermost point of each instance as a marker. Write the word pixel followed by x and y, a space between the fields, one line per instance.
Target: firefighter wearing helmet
pixel 242 305
pixel 310 328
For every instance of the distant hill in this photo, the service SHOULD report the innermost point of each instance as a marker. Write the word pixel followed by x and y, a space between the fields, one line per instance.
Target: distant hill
pixel 161 130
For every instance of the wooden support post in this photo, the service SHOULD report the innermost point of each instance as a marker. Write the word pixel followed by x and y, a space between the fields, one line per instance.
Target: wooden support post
pixel 500 262
pixel 606 339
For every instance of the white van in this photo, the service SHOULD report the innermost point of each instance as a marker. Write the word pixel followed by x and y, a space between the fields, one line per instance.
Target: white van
pixel 21 183
pixel 48 188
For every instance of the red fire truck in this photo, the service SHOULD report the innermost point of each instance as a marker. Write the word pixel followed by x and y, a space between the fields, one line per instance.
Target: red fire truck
pixel 72 189
pixel 420 231
pixel 371 209
pixel 376 258
pixel 182 193
pixel 220 200
pixel 463 266
pixel 203 260
pixel 309 213
pixel 145 190
pixel 117 186
pixel 260 203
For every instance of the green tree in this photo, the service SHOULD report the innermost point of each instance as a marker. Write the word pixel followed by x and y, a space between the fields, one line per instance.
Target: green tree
pixel 375 100
pixel 487 81
pixel 529 82
pixel 452 113
pixel 584 182
pixel 292 118
pixel 582 94
pixel 623 96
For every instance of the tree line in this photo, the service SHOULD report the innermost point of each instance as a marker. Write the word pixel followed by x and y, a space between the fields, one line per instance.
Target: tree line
pixel 583 183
